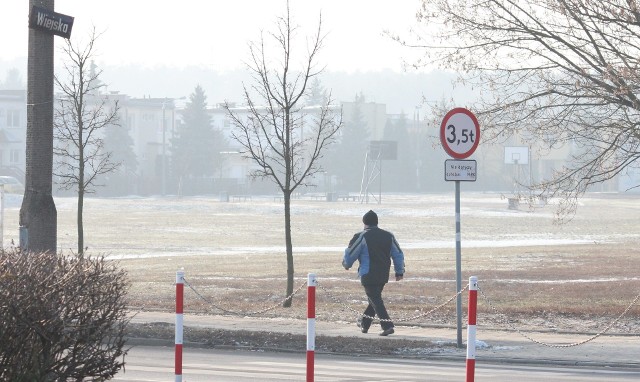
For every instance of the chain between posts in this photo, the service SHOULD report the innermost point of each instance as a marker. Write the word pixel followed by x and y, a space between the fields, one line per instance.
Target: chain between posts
pixel 424 314
pixel 514 328
pixel 237 313
pixel 405 319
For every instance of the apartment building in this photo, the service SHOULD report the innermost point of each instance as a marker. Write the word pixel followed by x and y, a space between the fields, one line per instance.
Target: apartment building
pixel 13 130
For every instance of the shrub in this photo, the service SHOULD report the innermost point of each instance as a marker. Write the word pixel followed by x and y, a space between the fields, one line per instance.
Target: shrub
pixel 63 317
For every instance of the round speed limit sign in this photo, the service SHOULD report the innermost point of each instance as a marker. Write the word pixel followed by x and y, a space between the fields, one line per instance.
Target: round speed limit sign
pixel 460 133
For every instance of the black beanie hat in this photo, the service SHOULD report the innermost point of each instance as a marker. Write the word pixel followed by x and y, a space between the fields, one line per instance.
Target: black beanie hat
pixel 370 218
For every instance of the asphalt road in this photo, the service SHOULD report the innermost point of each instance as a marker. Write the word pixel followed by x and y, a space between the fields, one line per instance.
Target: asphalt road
pixel 156 363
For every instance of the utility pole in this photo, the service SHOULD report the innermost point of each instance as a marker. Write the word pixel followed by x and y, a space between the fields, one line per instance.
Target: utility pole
pixel 38 215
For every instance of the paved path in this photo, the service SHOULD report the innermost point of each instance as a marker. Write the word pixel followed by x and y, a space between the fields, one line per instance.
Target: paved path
pixel 155 364
pixel 493 345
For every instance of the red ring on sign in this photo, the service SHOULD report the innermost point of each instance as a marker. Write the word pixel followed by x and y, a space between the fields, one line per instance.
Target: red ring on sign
pixel 443 126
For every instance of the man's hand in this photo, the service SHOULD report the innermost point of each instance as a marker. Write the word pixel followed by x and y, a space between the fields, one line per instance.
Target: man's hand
pixel 398 278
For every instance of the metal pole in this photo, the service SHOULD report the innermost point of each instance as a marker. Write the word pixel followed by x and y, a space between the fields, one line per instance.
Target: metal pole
pixel 530 174
pixel 312 282
pixel 179 324
pixel 380 184
pixel 418 138
pixel 164 160
pixel 471 328
pixel 458 268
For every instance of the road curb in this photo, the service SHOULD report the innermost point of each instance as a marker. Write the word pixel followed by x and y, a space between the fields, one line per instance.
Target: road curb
pixel 146 341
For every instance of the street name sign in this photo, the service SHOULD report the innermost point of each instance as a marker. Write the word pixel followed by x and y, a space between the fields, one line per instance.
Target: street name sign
pixel 50 22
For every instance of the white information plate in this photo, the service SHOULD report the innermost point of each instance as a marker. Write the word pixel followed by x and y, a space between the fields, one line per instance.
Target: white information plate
pixel 462 170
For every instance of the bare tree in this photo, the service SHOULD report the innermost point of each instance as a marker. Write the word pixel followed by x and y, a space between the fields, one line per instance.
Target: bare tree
pixel 274 133
pixel 556 72
pixel 79 120
pixel 63 318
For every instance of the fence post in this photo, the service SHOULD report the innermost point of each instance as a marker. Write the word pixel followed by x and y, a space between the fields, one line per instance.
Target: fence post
pixel 471 328
pixel 179 323
pixel 312 282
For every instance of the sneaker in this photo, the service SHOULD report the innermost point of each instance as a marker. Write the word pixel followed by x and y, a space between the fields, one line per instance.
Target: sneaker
pixel 362 328
pixel 386 332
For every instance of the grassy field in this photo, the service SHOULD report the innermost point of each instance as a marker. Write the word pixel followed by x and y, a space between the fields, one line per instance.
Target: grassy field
pixel 584 271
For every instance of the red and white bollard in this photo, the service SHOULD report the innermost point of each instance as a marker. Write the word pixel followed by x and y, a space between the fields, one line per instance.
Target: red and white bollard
pixel 311 324
pixel 471 328
pixel 179 323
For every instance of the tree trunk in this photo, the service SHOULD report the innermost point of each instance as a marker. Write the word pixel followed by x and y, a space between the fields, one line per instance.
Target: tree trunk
pixel 80 224
pixel 81 185
pixel 38 213
pixel 289 246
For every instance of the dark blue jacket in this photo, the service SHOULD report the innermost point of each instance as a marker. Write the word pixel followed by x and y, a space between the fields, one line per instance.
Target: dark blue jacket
pixel 375 249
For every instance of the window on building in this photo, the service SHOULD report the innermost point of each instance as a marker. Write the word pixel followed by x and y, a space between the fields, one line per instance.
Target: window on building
pixel 13 118
pixel 15 156
pixel 148 117
pixel 131 122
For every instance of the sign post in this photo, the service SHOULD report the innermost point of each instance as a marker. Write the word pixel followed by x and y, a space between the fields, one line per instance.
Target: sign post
pixel 459 135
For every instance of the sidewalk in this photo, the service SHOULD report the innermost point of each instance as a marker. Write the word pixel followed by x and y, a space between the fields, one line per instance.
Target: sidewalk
pixel 492 345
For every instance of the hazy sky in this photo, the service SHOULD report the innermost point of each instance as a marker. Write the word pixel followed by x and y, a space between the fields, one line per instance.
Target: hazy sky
pixel 215 33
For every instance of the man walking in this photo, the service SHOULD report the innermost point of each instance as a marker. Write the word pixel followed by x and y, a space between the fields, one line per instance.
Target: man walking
pixel 375 249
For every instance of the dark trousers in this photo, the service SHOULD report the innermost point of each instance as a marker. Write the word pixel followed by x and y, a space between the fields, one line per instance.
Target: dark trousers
pixel 375 307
